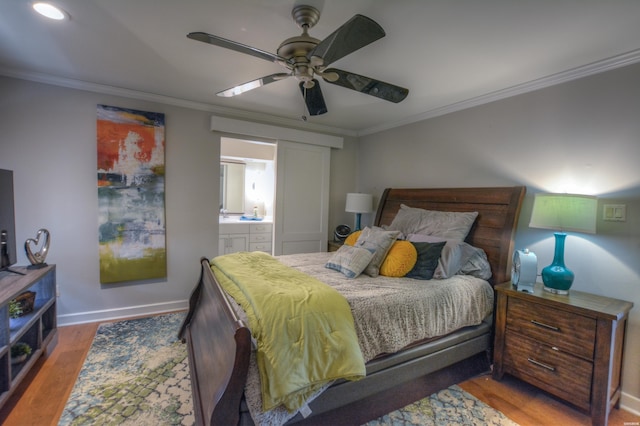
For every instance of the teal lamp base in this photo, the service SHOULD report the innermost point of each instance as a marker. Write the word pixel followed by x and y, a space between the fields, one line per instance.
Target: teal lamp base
pixel 358 217
pixel 556 277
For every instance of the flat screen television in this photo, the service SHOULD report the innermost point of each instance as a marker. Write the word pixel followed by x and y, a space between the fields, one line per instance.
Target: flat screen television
pixel 7 219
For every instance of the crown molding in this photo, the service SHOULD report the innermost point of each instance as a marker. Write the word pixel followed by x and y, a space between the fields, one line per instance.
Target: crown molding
pixel 608 64
pixel 168 100
pixel 598 67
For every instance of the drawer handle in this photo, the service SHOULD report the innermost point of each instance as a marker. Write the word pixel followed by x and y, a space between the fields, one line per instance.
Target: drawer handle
pixel 541 364
pixel 541 324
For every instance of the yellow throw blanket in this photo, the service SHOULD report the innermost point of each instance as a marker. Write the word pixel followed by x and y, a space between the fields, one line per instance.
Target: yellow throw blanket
pixel 304 328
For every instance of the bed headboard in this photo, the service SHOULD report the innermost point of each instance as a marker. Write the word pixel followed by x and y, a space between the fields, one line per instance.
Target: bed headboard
pixel 494 229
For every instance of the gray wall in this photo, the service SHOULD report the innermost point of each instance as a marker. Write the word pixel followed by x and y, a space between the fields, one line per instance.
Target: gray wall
pixel 581 137
pixel 343 180
pixel 49 140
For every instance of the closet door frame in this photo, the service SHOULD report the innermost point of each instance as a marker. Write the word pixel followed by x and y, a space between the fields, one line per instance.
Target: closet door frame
pixel 301 214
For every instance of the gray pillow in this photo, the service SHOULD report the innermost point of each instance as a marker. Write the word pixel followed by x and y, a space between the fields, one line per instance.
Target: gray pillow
pixel 449 225
pixel 457 258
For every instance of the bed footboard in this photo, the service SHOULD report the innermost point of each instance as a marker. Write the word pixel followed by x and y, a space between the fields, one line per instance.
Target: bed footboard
pixel 219 345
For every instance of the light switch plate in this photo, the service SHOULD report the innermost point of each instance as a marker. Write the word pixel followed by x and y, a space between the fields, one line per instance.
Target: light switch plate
pixel 614 212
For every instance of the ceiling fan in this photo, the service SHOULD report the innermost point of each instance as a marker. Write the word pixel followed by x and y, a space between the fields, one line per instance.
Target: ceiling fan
pixel 305 57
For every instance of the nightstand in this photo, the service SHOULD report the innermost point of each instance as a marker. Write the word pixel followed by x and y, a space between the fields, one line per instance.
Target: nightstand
pixel 335 245
pixel 570 346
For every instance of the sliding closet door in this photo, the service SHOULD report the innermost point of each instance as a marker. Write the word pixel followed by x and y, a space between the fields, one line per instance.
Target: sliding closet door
pixel 302 198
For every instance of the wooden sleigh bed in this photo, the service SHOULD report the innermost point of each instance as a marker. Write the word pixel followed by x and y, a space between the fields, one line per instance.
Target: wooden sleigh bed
pixel 219 343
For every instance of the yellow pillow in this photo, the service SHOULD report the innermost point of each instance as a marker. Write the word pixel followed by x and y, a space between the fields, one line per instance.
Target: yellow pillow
pixel 352 238
pixel 401 259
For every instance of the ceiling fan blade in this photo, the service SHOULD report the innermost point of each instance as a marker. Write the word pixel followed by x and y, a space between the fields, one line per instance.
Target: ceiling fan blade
pixel 238 47
pixel 253 84
pixel 380 89
pixel 313 98
pixel 356 33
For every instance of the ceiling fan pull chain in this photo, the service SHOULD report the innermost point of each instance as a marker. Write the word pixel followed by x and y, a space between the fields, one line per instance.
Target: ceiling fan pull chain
pixel 304 104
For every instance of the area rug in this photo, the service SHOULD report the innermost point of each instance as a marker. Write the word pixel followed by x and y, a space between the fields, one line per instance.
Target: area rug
pixel 137 373
pixel 451 406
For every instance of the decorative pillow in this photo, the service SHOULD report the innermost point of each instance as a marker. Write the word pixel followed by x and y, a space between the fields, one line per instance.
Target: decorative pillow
pixel 456 257
pixel 478 265
pixel 449 225
pixel 352 238
pixel 350 260
pixel 401 259
pixel 379 241
pixel 427 260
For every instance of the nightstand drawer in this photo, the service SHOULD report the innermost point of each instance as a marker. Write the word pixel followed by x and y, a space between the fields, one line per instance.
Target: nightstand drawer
pixel 559 373
pixel 567 331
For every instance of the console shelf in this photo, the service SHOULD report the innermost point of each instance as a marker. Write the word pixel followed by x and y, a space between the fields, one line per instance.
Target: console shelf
pixel 38 328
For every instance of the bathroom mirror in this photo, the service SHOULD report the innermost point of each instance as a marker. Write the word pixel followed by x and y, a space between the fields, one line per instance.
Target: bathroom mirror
pixel 232 187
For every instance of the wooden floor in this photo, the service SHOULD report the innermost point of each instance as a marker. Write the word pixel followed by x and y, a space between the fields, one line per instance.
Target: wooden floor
pixel 40 398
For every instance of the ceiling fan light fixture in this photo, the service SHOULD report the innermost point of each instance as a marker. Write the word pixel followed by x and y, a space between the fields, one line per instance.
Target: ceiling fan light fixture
pixel 235 91
pixel 50 11
pixel 329 76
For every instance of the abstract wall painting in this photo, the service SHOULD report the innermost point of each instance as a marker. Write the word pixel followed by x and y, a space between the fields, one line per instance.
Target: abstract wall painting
pixel 131 194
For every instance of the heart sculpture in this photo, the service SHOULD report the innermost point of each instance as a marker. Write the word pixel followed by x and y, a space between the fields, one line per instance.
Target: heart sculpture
pixel 38 257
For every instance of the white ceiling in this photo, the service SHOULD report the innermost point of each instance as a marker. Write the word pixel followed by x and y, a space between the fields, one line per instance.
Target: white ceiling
pixel 449 53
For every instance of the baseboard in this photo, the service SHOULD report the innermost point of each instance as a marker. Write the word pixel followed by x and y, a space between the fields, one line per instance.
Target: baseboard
pixel 630 403
pixel 120 313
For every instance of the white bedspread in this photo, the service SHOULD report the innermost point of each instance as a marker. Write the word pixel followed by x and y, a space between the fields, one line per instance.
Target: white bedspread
pixel 389 314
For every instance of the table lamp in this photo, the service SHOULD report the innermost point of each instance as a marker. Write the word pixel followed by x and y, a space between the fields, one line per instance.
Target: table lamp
pixel 562 212
pixel 358 204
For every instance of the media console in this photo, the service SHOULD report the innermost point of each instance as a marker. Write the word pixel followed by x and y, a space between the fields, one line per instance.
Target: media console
pixel 37 328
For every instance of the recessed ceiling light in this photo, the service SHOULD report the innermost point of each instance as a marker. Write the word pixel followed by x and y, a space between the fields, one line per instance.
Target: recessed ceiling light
pixel 50 11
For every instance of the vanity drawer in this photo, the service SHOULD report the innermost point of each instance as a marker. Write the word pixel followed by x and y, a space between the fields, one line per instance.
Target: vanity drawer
pixel 266 247
pixel 261 237
pixel 557 372
pixel 566 331
pixel 260 227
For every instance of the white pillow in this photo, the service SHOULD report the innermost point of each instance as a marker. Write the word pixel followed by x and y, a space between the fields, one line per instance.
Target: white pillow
pixel 449 225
